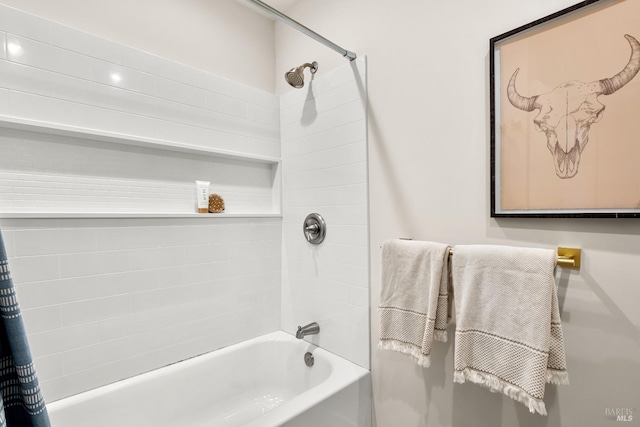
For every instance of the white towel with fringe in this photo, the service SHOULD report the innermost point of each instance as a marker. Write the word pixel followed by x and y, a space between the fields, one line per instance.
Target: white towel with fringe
pixel 414 298
pixel 508 332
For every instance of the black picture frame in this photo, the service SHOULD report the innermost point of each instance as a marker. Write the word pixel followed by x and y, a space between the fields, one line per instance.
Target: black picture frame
pixel 562 17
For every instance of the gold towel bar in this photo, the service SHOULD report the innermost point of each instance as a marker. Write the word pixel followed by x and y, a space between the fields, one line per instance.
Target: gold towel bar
pixel 567 257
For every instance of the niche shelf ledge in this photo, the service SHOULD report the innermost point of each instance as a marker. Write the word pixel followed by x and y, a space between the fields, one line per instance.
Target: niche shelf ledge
pixel 19 123
pixel 62 215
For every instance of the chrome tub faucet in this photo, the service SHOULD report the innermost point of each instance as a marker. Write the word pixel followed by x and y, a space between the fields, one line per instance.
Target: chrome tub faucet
pixel 310 329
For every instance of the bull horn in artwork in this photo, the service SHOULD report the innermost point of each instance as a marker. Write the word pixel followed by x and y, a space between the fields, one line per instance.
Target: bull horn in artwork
pixel 517 100
pixel 614 83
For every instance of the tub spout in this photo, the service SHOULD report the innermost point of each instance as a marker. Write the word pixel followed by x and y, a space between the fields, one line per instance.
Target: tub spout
pixel 310 329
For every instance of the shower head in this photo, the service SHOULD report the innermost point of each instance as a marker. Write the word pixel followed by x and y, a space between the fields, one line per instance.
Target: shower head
pixel 295 76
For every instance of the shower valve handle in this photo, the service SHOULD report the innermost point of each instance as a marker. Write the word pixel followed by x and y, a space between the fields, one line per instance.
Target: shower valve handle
pixel 312 229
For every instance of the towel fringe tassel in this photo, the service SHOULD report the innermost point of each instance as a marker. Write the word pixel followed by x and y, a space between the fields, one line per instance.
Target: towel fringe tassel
pixel 495 384
pixel 416 354
pixel 557 377
pixel 440 336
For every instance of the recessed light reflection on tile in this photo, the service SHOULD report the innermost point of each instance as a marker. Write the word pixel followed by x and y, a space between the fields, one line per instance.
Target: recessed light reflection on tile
pixel 116 78
pixel 14 48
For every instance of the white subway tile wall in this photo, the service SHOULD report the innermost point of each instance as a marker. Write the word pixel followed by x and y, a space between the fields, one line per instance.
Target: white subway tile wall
pixel 107 299
pixel 48 173
pixel 324 167
pixel 55 74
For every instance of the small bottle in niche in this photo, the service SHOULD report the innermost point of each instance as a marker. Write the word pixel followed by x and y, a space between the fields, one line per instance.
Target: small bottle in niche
pixel 216 203
pixel 202 194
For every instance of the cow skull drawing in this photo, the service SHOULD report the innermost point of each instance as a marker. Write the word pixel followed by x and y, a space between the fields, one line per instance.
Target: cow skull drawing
pixel 572 108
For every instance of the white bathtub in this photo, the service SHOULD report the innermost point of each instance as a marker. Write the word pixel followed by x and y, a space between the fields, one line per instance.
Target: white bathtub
pixel 262 382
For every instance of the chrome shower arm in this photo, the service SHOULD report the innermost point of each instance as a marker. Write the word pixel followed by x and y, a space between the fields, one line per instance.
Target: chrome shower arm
pixel 312 66
pixel 298 26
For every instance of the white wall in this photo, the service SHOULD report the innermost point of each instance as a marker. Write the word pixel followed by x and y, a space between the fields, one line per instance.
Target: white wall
pixel 106 299
pixel 201 33
pixel 324 163
pixel 59 75
pixel 57 174
pixel 429 179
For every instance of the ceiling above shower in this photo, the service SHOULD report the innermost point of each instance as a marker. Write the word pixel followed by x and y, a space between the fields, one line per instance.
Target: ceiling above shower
pixel 281 5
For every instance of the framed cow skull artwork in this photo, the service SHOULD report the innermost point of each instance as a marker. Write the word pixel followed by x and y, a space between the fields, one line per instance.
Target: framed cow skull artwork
pixel 565 114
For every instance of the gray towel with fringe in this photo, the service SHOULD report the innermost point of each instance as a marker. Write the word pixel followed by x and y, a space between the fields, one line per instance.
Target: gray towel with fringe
pixel 414 298
pixel 508 332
